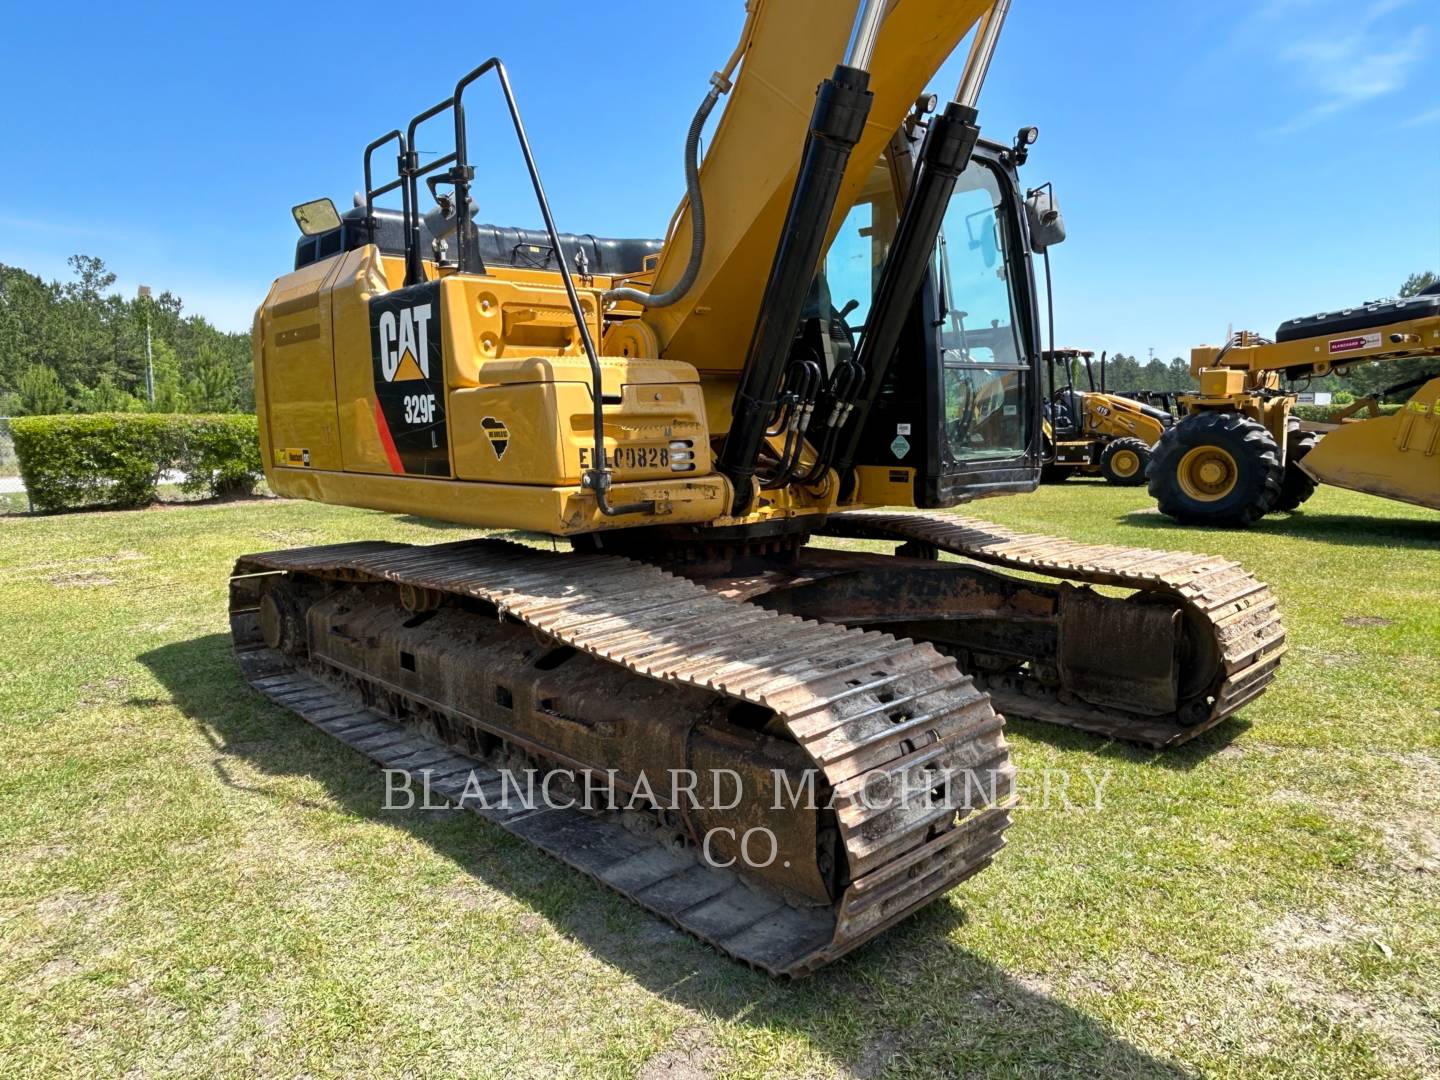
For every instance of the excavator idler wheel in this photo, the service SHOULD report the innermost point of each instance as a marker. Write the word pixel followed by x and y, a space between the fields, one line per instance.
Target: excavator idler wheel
pixel 418 600
pixel 1216 468
pixel 1297 486
pixel 282 619
pixel 1125 461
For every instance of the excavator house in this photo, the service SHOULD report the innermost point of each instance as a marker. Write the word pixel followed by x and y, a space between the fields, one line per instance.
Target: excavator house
pixel 837 337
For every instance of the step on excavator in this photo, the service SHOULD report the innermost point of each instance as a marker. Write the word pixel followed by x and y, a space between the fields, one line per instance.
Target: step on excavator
pixel 1238 452
pixel 697 418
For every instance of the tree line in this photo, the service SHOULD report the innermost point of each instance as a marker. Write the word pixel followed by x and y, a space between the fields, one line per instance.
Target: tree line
pixel 79 346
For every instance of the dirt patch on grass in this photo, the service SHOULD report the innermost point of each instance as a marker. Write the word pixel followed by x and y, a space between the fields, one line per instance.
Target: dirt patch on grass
pixel 88 908
pixel 1309 933
pixel 1406 1038
pixel 80 579
pixel 875 1058
pixel 288 537
pixel 1366 620
pixel 689 1057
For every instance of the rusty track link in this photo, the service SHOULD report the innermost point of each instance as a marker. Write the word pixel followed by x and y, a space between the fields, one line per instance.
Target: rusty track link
pixel 1240 612
pixel 867 708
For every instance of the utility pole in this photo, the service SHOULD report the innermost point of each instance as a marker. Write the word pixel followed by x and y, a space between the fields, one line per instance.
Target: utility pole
pixel 144 295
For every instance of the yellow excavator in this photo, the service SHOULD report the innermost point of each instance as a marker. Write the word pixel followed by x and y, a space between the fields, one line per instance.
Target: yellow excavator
pixel 1092 432
pixel 1238 453
pixel 842 318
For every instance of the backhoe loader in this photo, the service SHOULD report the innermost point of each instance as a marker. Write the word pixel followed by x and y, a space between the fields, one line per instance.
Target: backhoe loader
pixel 1238 453
pixel 690 416
pixel 1092 432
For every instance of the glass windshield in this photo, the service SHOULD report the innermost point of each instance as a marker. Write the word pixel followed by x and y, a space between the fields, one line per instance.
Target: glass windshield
pixel 984 360
pixel 857 254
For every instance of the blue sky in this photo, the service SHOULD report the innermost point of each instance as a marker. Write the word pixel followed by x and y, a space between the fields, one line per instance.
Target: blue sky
pixel 1220 162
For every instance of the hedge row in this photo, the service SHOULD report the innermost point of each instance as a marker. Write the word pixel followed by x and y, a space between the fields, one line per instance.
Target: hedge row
pixel 1324 414
pixel 117 459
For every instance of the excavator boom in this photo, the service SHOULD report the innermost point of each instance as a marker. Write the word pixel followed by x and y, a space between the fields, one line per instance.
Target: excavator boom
pixel 751 164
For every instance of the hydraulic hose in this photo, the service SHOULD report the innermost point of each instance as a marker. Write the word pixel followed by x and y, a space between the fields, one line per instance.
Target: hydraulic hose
pixel 719 84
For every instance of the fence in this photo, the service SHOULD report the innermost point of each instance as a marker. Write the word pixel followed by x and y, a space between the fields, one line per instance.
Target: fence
pixel 8 465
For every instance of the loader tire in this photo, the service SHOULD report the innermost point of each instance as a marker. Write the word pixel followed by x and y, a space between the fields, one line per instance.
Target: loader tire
pixel 1297 486
pixel 1216 469
pixel 1125 461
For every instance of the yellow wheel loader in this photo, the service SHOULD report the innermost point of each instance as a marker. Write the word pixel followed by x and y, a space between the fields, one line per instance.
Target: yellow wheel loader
pixel 781 747
pixel 1094 433
pixel 1238 454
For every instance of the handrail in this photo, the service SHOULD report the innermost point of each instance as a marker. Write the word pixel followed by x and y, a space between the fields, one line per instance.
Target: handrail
pixel 371 191
pixel 598 477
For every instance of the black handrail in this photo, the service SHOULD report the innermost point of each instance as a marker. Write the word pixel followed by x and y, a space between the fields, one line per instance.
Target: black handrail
pixel 467 241
pixel 597 479
pixel 412 171
pixel 371 191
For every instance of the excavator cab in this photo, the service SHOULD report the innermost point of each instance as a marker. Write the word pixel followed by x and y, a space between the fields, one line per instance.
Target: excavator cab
pixel 961 401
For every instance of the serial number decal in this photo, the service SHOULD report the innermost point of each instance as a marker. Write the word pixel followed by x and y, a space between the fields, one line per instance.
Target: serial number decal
pixel 630 457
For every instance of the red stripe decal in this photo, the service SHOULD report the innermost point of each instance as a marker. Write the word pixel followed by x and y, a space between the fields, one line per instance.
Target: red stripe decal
pixel 396 465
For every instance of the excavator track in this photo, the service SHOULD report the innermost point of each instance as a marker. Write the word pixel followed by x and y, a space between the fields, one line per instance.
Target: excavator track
pixel 887 725
pixel 1239 613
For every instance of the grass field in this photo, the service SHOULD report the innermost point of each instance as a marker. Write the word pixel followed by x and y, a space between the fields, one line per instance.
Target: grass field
pixel 195 882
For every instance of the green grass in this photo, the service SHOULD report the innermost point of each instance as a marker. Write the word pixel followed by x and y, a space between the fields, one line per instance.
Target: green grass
pixel 195 882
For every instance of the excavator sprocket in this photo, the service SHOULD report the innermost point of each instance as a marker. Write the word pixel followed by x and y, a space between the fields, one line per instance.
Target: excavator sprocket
pixel 462 665
pixel 1232 621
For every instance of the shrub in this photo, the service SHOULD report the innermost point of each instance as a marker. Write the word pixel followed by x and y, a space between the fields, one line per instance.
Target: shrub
pixel 1324 414
pixel 220 455
pixel 117 459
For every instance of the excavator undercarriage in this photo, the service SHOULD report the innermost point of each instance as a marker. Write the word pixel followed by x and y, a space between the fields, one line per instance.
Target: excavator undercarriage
pixel 870 772
pixel 847 698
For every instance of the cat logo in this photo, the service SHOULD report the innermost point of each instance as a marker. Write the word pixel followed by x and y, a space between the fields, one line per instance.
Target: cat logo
pixel 405 343
pixel 498 434
pixel 406 351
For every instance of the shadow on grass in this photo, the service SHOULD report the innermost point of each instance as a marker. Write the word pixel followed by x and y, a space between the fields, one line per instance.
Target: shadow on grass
pixel 1346 529
pixel 1180 758
pixel 914 997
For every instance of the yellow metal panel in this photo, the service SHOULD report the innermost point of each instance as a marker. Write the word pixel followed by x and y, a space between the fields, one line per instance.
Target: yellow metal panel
pixel 295 376
pixel 751 163
pixel 1397 456
pixel 542 432
pixel 1107 414
pixel 557 511
pixel 1221 382
pixel 361 276
pixel 879 486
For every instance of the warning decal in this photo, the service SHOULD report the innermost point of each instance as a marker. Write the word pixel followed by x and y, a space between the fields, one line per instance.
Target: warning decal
pixel 498 434
pixel 409 372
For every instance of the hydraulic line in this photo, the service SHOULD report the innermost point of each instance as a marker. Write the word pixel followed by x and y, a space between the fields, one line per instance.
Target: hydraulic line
pixel 944 155
pixel 720 83
pixel 842 105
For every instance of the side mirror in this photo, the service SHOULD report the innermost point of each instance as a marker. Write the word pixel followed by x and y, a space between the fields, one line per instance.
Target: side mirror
pixel 1047 224
pixel 316 216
